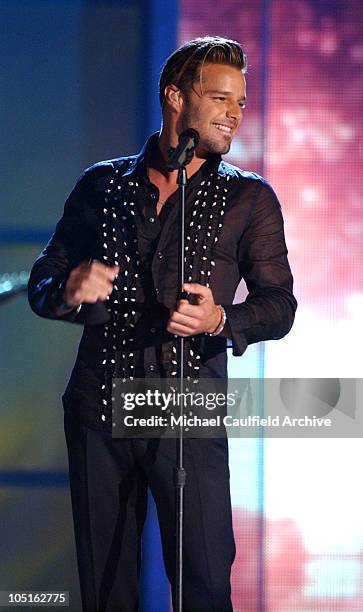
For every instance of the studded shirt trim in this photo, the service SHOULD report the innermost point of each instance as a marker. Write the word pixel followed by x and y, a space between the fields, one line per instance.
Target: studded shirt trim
pixel 120 247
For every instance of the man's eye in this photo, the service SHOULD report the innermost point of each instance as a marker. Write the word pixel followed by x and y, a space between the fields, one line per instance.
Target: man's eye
pixel 242 105
pixel 219 98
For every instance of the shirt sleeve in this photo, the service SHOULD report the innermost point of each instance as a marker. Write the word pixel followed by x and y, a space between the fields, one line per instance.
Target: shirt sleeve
pixel 70 244
pixel 269 309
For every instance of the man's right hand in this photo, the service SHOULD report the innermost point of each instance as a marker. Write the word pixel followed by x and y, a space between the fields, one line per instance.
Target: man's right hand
pixel 89 282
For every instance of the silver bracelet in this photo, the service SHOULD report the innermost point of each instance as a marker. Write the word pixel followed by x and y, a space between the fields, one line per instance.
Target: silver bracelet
pixel 222 323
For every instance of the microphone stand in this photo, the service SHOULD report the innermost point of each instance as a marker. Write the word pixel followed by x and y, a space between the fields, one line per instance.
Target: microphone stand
pixel 179 471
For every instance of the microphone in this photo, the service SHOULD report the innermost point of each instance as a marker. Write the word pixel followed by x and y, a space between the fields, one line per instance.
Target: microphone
pixel 183 153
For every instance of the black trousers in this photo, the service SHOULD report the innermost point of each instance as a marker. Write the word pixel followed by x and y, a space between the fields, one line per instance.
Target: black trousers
pixel 109 480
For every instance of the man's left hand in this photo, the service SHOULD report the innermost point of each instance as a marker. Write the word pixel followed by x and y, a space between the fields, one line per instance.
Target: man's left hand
pixel 189 319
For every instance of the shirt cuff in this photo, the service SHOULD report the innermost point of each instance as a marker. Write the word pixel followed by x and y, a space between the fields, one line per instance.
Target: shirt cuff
pixel 47 298
pixel 237 324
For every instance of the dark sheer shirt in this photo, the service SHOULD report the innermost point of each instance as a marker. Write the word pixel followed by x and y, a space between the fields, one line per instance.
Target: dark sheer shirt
pixel 234 231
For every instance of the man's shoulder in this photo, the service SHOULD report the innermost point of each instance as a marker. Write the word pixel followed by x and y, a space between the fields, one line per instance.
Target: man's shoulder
pixel 98 176
pixel 108 166
pixel 247 182
pixel 234 172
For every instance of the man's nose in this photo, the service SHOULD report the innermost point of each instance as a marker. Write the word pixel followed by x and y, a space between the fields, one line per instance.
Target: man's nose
pixel 234 111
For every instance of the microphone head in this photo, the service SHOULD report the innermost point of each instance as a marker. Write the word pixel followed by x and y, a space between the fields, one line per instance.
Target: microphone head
pixel 190 133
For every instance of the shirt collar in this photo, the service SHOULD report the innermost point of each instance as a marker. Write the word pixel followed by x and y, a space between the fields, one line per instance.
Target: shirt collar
pixel 140 161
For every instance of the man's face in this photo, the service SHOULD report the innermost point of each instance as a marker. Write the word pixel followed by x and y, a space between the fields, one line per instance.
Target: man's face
pixel 215 110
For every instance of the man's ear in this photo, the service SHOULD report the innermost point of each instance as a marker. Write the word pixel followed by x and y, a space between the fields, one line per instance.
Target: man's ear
pixel 173 97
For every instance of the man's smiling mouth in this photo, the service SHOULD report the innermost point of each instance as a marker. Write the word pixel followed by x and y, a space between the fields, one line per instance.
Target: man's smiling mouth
pixel 223 128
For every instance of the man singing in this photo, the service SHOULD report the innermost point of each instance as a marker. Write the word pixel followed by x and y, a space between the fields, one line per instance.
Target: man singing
pixel 112 266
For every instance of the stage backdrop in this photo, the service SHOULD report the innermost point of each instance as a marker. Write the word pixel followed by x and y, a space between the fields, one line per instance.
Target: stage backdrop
pixel 298 502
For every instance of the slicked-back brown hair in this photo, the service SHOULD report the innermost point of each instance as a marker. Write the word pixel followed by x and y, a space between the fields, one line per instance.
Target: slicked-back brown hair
pixel 184 66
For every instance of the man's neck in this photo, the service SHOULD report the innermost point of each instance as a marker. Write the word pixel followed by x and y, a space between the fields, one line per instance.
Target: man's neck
pixel 160 158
